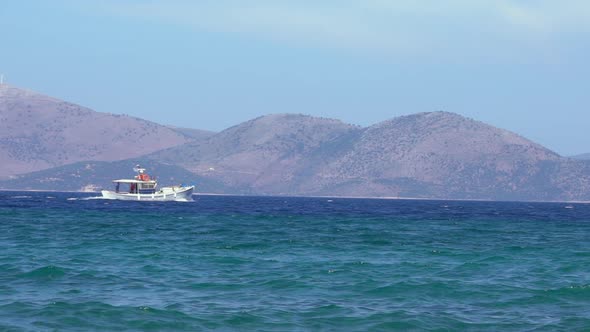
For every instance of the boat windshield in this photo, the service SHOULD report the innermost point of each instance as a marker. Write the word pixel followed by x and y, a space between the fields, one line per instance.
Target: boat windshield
pixel 136 187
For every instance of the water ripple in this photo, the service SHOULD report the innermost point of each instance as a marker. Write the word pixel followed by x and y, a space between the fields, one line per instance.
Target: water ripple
pixel 264 263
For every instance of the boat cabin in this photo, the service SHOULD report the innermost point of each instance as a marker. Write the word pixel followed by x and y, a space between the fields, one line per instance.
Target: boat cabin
pixel 135 186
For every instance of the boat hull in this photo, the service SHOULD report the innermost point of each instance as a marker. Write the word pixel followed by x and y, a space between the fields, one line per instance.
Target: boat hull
pixel 166 194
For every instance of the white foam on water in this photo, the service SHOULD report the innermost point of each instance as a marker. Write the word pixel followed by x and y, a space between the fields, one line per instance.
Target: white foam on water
pixel 21 197
pixel 85 198
pixel 93 197
pixel 183 200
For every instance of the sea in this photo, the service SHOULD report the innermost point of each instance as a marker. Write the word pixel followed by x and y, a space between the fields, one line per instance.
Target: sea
pixel 73 262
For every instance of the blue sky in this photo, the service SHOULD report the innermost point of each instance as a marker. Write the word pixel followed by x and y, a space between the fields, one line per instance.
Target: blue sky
pixel 520 65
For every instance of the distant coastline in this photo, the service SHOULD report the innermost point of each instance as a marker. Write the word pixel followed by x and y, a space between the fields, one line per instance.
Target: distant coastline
pixel 327 197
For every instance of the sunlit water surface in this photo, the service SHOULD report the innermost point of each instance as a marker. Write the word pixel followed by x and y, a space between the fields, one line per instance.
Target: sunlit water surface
pixel 68 262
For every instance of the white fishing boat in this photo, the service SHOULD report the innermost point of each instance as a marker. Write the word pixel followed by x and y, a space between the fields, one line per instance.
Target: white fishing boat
pixel 144 188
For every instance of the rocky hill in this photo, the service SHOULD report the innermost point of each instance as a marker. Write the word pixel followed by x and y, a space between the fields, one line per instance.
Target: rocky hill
pixel 39 132
pixel 260 156
pixel 436 155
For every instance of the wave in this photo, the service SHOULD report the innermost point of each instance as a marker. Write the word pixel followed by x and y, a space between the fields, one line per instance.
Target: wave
pixel 45 272
pixel 93 315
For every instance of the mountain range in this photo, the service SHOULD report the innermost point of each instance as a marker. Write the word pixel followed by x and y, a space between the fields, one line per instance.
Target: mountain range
pixel 425 155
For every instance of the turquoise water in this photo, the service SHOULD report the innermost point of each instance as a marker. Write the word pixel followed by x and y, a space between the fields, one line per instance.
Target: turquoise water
pixel 68 263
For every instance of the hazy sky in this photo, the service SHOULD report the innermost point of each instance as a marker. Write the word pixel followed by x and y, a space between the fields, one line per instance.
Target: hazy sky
pixel 520 65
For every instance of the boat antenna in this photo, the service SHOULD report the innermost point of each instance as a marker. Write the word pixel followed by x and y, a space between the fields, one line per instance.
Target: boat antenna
pixel 138 169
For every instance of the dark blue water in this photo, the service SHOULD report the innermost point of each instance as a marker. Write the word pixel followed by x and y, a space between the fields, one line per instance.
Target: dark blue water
pixel 277 264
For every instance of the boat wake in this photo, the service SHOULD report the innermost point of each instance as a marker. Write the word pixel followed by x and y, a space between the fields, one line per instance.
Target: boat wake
pixel 85 198
pixel 184 200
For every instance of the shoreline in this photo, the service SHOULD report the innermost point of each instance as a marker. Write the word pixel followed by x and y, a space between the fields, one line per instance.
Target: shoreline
pixel 329 197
